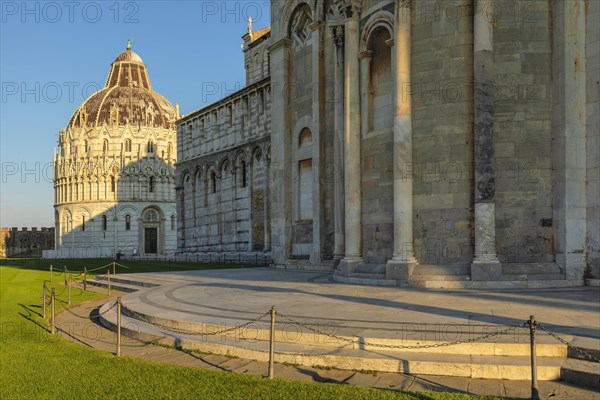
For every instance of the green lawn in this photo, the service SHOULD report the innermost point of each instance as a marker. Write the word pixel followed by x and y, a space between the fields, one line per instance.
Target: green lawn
pixel 35 365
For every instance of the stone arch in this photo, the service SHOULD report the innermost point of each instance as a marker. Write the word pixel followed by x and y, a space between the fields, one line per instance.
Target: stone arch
pixel 199 172
pixel 304 138
pixel 185 174
pixel 287 13
pixel 128 209
pixel 224 166
pixel 299 21
pixel 257 154
pixel 380 19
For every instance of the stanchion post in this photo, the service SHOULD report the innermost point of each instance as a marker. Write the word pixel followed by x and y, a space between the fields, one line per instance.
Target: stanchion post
pixel 535 394
pixel 114 268
pixel 53 310
pixel 65 275
pixel 119 327
pixel 84 278
pixel 69 289
pixel 108 279
pixel 51 273
pixel 272 344
pixel 44 301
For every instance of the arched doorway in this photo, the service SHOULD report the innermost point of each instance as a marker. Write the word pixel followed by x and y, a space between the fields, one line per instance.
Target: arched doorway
pixel 151 231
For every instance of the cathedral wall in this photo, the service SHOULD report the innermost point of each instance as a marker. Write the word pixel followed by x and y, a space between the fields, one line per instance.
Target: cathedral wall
pixel 593 138
pixel 442 121
pixel 222 170
pixel 523 131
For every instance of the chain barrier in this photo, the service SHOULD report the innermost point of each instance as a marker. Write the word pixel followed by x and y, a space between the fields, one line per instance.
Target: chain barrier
pixel 87 317
pixel 569 345
pixel 223 331
pixel 400 346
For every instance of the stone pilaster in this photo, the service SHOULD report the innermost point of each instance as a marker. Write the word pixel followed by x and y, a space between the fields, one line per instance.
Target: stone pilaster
pixel 338 143
pixel 401 265
pixel 485 265
pixel 317 104
pixel 365 58
pixel 569 134
pixel 267 202
pixel 352 124
pixel 281 199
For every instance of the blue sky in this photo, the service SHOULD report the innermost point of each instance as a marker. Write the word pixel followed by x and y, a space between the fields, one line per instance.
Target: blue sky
pixel 54 54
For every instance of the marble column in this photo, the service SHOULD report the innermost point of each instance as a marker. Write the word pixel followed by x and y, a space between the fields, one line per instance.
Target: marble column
pixel 485 265
pixel 403 262
pixel 338 144
pixel 352 164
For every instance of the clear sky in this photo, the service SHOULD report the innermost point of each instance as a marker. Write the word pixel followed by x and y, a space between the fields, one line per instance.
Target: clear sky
pixel 54 54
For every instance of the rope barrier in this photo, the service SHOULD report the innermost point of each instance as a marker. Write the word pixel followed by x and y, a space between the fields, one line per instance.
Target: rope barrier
pixel 563 341
pixel 68 309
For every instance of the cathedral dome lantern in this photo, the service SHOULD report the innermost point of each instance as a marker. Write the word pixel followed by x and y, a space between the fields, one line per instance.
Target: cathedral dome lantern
pixel 126 99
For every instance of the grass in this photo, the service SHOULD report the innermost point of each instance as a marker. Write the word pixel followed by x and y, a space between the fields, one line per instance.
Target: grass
pixel 36 365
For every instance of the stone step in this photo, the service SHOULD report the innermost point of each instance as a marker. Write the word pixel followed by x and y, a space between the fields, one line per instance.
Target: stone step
pixel 511 343
pixel 533 277
pixel 433 278
pixel 122 287
pixel 114 279
pixel 425 363
pixel 364 275
pixel 521 284
pixel 531 268
pixel 572 353
pixel 370 269
pixel 442 270
pixel 583 373
pixel 379 281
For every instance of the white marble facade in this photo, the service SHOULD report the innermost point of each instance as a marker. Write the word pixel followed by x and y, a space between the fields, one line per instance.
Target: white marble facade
pixel 114 170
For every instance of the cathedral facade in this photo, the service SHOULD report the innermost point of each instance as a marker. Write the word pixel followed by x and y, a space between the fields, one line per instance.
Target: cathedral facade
pixel 114 170
pixel 392 142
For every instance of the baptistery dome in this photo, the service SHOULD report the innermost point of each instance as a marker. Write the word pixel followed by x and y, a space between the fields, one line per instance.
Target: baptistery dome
pixel 126 99
pixel 114 170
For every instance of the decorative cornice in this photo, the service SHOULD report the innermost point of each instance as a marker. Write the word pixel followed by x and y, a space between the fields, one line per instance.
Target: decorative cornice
pixel 285 42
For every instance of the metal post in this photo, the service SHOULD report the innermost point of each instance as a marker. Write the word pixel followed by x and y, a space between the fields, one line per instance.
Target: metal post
pixel 69 289
pixel 65 275
pixel 51 273
pixel 118 327
pixel 535 395
pixel 84 278
pixel 53 323
pixel 114 268
pixel 272 343
pixel 44 301
pixel 108 279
